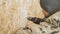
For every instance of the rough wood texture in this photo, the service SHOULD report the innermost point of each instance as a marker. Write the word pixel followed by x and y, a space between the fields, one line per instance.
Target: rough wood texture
pixel 13 14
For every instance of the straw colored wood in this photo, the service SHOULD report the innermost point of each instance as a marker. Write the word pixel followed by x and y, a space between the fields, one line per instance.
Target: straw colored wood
pixel 13 14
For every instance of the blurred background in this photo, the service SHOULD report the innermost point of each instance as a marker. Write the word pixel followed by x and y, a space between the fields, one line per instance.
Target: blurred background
pixel 14 13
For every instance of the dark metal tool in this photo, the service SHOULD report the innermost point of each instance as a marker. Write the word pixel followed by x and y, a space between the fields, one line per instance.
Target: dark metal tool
pixel 50 6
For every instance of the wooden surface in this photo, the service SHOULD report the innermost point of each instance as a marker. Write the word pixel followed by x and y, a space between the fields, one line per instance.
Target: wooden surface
pixel 13 14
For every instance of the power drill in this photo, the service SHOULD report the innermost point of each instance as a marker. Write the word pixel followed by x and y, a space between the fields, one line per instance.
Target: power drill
pixel 50 6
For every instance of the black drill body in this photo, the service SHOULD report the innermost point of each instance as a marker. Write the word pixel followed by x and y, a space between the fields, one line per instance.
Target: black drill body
pixel 51 6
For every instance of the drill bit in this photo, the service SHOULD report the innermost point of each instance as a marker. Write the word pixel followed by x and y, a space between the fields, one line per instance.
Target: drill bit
pixel 35 20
